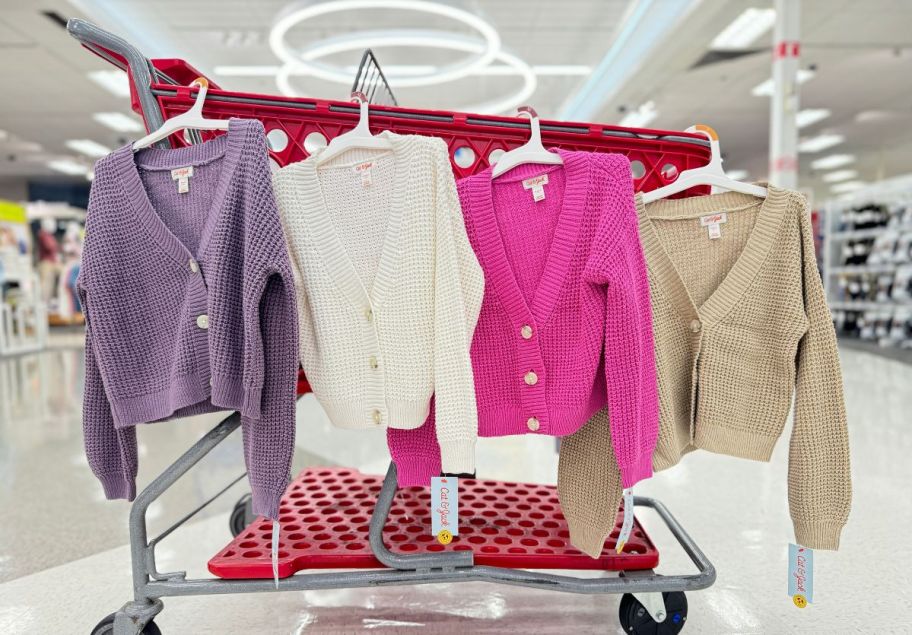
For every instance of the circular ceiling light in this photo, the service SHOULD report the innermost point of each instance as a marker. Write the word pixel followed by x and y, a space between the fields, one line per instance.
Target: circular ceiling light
pixel 449 42
pixel 303 60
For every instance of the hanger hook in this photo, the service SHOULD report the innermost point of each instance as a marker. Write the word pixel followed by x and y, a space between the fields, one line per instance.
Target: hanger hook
pixel 203 84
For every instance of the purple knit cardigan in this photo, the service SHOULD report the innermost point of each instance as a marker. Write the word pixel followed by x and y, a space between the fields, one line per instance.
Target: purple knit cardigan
pixel 190 306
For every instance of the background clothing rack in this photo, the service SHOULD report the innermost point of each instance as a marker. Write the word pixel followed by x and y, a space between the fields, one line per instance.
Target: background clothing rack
pixel 158 91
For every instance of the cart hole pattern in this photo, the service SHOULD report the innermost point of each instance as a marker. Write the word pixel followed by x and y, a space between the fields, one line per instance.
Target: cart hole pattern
pixel 326 511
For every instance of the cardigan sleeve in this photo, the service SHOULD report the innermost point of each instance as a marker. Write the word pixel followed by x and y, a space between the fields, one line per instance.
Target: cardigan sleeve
pixel 819 479
pixel 270 341
pixel 111 452
pixel 616 261
pixel 458 291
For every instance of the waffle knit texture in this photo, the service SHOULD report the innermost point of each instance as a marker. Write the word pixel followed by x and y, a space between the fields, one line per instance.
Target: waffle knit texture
pixel 155 263
pixel 565 324
pixel 388 289
pixel 728 370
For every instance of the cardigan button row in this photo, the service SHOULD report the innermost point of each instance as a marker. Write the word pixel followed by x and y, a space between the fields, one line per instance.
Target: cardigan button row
pixel 532 423
pixel 202 321
pixel 377 417
pixel 531 378
pixel 695 326
pixel 194 265
pixel 526 332
pixel 374 364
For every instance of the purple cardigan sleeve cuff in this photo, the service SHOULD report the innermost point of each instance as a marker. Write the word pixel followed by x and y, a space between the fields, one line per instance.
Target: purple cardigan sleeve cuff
pixel 266 501
pixel 118 486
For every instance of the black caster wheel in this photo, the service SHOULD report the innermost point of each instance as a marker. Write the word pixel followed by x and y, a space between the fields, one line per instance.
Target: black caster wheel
pixel 106 627
pixel 636 619
pixel 238 520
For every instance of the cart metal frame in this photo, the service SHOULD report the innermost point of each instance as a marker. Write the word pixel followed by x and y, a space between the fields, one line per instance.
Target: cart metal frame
pixel 150 586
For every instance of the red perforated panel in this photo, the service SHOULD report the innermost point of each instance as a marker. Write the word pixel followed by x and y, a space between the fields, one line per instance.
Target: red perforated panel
pixel 326 511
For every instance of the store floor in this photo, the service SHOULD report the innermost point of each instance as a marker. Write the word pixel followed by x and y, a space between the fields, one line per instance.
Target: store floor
pixel 64 560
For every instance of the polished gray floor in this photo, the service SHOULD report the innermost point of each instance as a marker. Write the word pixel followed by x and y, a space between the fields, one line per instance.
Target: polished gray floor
pixel 64 561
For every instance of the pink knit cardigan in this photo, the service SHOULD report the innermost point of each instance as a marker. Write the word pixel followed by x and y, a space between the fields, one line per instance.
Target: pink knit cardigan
pixel 565 325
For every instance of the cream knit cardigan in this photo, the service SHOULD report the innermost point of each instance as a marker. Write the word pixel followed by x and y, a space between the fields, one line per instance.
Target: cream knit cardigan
pixel 741 323
pixel 388 289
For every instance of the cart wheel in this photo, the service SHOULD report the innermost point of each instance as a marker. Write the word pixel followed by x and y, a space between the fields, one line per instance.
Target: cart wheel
pixel 237 522
pixel 636 619
pixel 106 627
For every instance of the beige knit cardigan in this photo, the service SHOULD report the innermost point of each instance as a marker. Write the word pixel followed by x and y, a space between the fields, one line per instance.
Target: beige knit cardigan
pixel 741 323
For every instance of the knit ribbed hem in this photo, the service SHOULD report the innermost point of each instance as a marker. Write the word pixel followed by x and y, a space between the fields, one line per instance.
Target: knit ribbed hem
pixel 118 486
pixel 818 534
pixel 458 457
pixel 731 442
pixel 502 421
pixel 226 393
pixel 637 470
pixel 587 540
pixel 354 414
pixel 266 501
pixel 416 471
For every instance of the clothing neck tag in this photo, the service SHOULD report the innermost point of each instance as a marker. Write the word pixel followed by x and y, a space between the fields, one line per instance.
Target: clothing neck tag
pixel 627 525
pixel 182 176
pixel 364 169
pixel 713 224
pixel 537 185
pixel 801 575
pixel 444 508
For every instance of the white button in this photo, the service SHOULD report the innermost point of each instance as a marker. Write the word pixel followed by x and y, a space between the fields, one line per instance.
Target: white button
pixel 210 381
pixel 376 416
pixel 194 267
pixel 373 362
pixel 531 378
pixel 526 332
pixel 532 423
pixel 695 326
pixel 369 314
pixel 202 321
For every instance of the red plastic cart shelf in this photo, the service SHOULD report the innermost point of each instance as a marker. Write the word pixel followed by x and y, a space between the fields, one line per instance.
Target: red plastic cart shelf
pixel 326 511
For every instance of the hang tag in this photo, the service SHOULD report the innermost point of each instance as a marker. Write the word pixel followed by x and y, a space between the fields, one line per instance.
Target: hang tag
pixel 627 525
pixel 182 176
pixel 801 575
pixel 364 169
pixel 537 185
pixel 713 224
pixel 276 530
pixel 444 508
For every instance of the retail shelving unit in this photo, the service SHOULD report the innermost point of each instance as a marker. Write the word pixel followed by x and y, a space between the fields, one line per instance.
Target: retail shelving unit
pixel 318 505
pixel 883 313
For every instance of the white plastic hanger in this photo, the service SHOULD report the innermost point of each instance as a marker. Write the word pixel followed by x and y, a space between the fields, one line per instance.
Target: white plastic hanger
pixel 193 118
pixel 531 152
pixel 709 174
pixel 359 137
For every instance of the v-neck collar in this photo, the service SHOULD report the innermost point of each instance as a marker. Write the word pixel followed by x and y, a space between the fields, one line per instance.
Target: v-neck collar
pixel 493 252
pixel 724 298
pixel 335 256
pixel 226 147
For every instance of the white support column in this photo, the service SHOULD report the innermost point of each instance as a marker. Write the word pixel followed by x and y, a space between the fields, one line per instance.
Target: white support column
pixel 783 168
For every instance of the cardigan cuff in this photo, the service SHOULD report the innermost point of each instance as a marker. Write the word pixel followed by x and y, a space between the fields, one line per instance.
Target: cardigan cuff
pixel 636 470
pixel 822 534
pixel 266 501
pixel 416 471
pixel 118 486
pixel 457 457
pixel 252 397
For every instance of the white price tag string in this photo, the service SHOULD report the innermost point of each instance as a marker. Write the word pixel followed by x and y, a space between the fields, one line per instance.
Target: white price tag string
pixel 276 529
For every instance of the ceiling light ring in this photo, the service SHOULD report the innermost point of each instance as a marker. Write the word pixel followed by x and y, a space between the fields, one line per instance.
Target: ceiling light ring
pixel 303 60
pixel 504 104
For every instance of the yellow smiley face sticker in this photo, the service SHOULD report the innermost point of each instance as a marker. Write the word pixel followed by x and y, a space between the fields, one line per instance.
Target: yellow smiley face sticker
pixel 444 537
pixel 799 600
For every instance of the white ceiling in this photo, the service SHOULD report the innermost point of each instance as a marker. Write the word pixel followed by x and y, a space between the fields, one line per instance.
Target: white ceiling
pixel 862 52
